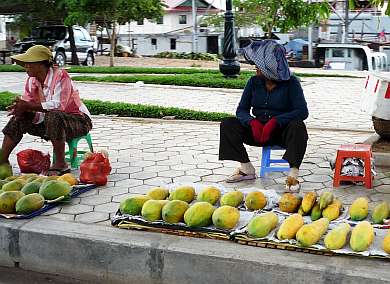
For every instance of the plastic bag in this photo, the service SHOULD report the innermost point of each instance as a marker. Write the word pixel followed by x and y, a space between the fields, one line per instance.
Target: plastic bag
pixel 33 161
pixel 95 168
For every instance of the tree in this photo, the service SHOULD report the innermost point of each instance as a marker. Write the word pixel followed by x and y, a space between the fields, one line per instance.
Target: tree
pixel 375 3
pixel 270 14
pixel 111 13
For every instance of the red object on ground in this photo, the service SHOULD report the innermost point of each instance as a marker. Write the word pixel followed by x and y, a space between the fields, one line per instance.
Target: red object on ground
pixel 361 151
pixel 33 161
pixel 95 169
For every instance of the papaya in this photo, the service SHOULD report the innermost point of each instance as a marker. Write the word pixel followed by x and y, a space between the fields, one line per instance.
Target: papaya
pixel 362 236
pixel 380 212
pixel 226 217
pixel 184 193
pixel 173 211
pixel 32 178
pixel 290 227
pixel 8 201
pixel 5 171
pixel 300 211
pixel 289 203
pixel 163 202
pixel 332 211
pixel 29 203
pixel 337 237
pixel 308 201
pixel 151 210
pixel 386 243
pixel 209 194
pixel 359 209
pixel 260 226
pixel 316 212
pixel 53 189
pixel 326 198
pixel 2 182
pixel 199 215
pixel 69 178
pixel 158 193
pixel 11 178
pixel 133 204
pixel 310 234
pixel 233 198
pixel 15 185
pixel 31 187
pixel 50 178
pixel 255 200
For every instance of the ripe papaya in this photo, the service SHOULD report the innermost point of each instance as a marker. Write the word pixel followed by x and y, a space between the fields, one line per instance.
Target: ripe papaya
pixel 300 211
pixel 233 198
pixel 151 210
pixel 260 226
pixel 359 209
pixel 199 214
pixel 173 211
pixel 255 200
pixel 158 193
pixel 332 211
pixel 289 203
pixel 326 198
pixel 380 212
pixel 185 193
pixel 209 194
pixel 362 236
pixel 290 227
pixel 133 204
pixel 316 212
pixel 386 243
pixel 308 201
pixel 310 234
pixel 337 238
pixel 226 217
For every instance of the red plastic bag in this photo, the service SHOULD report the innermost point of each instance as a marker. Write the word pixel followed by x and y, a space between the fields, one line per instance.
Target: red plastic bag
pixel 95 169
pixel 33 161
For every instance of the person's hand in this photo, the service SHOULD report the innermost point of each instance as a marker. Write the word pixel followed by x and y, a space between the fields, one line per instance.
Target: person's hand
pixel 19 107
pixel 257 129
pixel 269 127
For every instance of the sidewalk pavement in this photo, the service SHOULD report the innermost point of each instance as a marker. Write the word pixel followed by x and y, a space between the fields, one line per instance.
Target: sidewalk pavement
pixel 333 103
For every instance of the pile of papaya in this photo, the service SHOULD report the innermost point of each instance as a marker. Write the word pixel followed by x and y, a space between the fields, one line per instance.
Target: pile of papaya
pixel 27 193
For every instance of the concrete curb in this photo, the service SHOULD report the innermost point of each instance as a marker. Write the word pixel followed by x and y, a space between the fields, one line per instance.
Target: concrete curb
pixel 110 255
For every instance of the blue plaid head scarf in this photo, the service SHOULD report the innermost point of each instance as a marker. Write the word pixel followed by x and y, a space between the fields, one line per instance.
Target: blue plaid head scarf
pixel 269 57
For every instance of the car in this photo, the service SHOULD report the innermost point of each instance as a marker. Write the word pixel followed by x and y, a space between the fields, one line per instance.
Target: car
pixel 56 38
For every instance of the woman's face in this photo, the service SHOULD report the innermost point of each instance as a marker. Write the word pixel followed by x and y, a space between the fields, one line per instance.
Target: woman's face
pixel 34 69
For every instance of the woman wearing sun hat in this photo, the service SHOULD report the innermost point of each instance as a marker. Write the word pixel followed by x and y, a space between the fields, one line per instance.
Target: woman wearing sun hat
pixel 49 108
pixel 271 112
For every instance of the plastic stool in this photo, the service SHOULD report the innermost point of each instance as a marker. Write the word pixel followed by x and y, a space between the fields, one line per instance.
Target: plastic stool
pixel 74 156
pixel 361 151
pixel 266 161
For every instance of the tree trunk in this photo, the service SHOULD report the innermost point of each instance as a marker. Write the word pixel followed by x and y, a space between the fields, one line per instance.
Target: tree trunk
pixel 75 59
pixel 113 45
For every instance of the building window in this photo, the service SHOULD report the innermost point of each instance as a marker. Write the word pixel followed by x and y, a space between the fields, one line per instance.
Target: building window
pixel 338 52
pixel 140 22
pixel 160 21
pixel 154 42
pixel 173 44
pixel 183 19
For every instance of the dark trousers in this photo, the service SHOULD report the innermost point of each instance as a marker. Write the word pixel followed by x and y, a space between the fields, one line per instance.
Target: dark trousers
pixel 233 136
pixel 57 125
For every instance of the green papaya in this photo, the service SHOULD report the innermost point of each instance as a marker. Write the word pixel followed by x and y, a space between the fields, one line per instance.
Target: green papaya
pixel 226 217
pixel 209 194
pixel 184 193
pixel 380 212
pixel 233 198
pixel 29 203
pixel 158 193
pixel 316 212
pixel 31 187
pixel 133 204
pixel 53 189
pixel 326 198
pixel 359 209
pixel 173 211
pixel 362 236
pixel 260 226
pixel 8 201
pixel 199 215
pixel 151 210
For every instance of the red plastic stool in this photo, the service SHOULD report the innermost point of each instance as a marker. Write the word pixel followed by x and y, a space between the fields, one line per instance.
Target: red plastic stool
pixel 361 151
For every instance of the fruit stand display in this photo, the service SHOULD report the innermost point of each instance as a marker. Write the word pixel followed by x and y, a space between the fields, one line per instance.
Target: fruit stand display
pixel 308 223
pixel 29 195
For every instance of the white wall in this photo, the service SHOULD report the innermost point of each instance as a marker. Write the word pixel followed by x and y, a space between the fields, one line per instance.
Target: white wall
pixel 2 33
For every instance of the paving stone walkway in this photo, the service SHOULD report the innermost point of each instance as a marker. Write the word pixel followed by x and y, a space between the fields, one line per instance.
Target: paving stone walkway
pixel 147 153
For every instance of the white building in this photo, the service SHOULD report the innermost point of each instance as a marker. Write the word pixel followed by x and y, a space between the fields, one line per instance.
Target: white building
pixel 174 31
pixel 3 34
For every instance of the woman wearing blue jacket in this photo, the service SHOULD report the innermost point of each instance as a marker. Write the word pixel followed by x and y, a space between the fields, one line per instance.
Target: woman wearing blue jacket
pixel 271 112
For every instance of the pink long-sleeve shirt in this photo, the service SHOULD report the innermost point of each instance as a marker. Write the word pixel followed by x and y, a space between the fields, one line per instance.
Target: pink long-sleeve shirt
pixel 57 93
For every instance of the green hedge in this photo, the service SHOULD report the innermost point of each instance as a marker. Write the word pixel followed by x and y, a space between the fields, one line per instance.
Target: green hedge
pixel 97 107
pixel 196 80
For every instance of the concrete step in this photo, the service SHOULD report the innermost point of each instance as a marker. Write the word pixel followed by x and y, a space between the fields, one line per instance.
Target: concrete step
pixel 105 254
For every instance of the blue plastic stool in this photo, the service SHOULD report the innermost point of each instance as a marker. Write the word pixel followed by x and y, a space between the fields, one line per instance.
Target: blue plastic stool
pixel 74 156
pixel 266 161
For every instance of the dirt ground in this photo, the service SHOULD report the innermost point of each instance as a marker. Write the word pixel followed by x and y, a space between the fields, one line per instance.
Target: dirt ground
pixel 160 62
pixel 381 145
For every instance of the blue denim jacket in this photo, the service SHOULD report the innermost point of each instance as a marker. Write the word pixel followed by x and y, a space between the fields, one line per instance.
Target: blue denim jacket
pixel 285 102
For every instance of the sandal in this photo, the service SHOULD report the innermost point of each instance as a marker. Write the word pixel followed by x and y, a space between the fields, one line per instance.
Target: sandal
pixel 292 184
pixel 57 172
pixel 238 176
